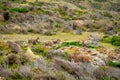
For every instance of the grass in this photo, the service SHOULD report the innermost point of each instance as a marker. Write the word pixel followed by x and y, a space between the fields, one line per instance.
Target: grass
pixel 106 39
pixel 81 7
pixel 62 12
pixel 20 10
pixel 107 14
pixel 107 78
pixel 73 43
pixel 115 40
pixel 64 37
pixel 29 29
pixel 2 7
pixel 114 64
pixel 38 4
pixel 58 25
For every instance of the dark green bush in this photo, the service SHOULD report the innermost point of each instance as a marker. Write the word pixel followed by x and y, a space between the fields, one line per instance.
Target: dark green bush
pixel 115 40
pixel 114 64
pixel 70 44
pixel 29 29
pixel 58 25
pixel 21 10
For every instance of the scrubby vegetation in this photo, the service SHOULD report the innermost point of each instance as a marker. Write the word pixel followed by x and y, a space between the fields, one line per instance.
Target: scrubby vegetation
pixel 21 10
pixel 59 40
pixel 114 64
pixel 115 40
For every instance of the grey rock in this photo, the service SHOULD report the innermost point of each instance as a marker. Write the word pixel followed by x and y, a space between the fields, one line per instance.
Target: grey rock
pixel 15 47
pixel 56 53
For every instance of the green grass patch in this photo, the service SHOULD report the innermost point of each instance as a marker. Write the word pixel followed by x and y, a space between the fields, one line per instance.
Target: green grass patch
pixel 115 40
pixel 107 14
pixel 29 29
pixel 37 4
pixel 62 12
pixel 118 30
pixel 92 46
pixel 114 64
pixel 81 7
pixel 106 39
pixel 107 78
pixel 70 44
pixel 2 7
pixel 58 25
pixel 20 10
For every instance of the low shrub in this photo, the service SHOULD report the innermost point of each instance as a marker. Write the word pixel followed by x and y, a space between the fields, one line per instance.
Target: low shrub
pixel 106 39
pixel 2 7
pixel 45 11
pixel 29 29
pixel 107 14
pixel 62 12
pixel 38 3
pixel 107 78
pixel 115 40
pixel 81 7
pixel 117 50
pixel 91 46
pixel 96 5
pixel 114 64
pixel 20 10
pixel 58 25
pixel 70 44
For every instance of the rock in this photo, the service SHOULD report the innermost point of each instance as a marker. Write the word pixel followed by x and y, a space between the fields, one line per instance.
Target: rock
pixel 48 43
pixel 98 61
pixel 22 43
pixel 95 37
pixel 25 71
pixel 111 32
pixel 56 53
pixel 79 32
pixel 48 33
pixel 56 41
pixel 34 41
pixel 15 47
